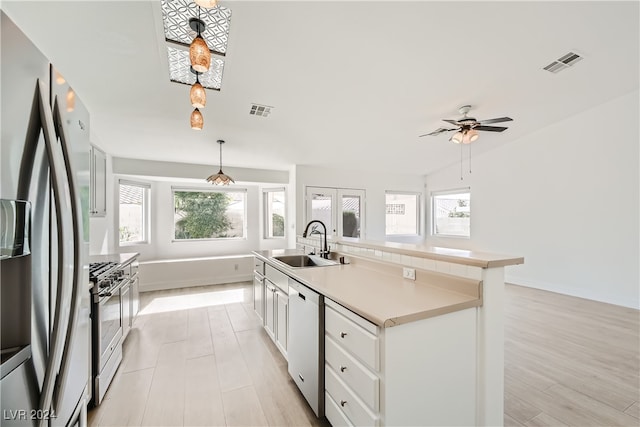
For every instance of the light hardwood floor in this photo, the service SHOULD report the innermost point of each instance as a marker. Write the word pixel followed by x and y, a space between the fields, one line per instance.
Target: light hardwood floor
pixel 570 361
pixel 198 356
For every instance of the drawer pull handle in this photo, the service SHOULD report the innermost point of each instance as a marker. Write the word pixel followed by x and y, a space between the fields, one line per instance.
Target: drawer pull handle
pixel 343 334
pixel 343 368
pixel 343 402
pixel 301 377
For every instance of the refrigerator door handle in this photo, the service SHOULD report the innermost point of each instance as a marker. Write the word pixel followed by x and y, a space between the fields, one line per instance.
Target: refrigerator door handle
pixel 65 368
pixel 62 205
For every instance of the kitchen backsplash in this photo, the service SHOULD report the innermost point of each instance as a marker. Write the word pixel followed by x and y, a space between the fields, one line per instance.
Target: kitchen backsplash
pixel 313 243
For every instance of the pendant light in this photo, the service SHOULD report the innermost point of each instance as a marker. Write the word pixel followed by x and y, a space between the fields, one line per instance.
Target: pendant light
pixel 207 4
pixel 196 120
pixel 199 53
pixel 220 178
pixel 197 94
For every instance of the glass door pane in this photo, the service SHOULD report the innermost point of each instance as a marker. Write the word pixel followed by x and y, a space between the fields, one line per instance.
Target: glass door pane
pixel 351 216
pixel 321 209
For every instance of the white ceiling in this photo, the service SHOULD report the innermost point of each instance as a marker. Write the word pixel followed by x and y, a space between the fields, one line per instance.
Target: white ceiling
pixel 353 83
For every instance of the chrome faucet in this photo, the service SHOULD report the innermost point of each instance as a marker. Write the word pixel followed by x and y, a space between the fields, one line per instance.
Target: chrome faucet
pixel 325 252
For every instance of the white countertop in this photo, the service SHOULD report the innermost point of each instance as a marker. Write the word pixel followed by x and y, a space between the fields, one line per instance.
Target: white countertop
pixel 379 294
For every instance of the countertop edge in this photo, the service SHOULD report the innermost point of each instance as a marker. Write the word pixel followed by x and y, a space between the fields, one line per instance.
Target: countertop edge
pixel 437 253
pixel 382 323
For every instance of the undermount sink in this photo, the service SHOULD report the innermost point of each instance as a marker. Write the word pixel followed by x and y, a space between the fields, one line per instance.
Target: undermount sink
pixel 300 261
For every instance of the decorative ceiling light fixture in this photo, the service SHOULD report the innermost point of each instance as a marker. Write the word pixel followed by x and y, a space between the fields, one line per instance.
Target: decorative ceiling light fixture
pixel 199 53
pixel 220 178
pixel 196 120
pixel 207 4
pixel 465 136
pixel 197 94
pixel 179 35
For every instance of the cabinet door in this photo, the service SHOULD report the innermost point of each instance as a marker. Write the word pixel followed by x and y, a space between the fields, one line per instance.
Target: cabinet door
pixel 282 321
pixel 258 296
pixel 98 182
pixel 135 299
pixel 270 308
pixel 126 309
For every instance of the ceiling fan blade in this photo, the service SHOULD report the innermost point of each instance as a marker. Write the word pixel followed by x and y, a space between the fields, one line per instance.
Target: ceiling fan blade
pixel 436 132
pixel 498 120
pixel 491 128
pixel 453 122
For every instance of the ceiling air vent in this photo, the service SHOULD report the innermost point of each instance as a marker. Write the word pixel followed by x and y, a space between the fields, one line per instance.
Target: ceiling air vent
pixel 260 110
pixel 564 62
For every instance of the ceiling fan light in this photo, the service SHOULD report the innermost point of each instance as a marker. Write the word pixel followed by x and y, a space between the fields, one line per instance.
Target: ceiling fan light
pixel 198 96
pixel 457 137
pixel 471 136
pixel 207 4
pixel 196 120
pixel 199 55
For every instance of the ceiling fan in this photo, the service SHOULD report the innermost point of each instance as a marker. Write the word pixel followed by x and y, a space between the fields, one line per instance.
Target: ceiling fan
pixel 467 127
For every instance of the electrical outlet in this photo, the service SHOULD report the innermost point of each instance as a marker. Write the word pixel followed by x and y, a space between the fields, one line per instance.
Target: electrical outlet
pixel 409 273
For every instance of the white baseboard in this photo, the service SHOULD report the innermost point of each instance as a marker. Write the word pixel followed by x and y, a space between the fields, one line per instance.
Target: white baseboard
pixel 164 285
pixel 590 294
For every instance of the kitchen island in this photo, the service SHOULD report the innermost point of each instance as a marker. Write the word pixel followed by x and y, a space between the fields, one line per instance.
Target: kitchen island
pixel 439 350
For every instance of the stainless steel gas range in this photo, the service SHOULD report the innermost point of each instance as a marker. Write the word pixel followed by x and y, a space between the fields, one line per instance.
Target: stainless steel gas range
pixel 114 304
pixel 106 319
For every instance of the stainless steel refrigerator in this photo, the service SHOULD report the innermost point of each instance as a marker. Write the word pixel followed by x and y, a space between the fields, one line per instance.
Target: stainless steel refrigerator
pixel 44 240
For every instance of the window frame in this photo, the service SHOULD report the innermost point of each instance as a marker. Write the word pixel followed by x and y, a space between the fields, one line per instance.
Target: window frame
pixel 146 212
pixel 336 195
pixel 418 213
pixel 266 211
pixel 209 190
pixel 464 190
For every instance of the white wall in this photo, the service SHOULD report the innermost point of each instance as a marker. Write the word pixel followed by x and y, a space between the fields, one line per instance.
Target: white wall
pixel 162 176
pixel 375 184
pixel 566 198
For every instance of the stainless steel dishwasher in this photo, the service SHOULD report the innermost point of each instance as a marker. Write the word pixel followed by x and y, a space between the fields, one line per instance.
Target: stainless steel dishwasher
pixel 306 343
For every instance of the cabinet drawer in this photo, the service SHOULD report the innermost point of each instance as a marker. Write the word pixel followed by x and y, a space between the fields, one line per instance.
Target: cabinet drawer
pixel 258 265
pixel 334 414
pixel 352 337
pixel 277 277
pixel 349 404
pixel 361 380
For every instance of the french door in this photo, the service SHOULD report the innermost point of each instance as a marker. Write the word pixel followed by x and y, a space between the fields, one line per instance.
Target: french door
pixel 342 210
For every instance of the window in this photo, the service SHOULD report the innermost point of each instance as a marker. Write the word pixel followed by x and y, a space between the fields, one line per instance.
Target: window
pixel 274 213
pixel 133 213
pixel 210 214
pixel 402 214
pixel 451 213
pixel 340 209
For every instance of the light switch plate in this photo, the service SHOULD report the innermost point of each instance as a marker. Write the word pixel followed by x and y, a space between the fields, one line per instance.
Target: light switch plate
pixel 409 273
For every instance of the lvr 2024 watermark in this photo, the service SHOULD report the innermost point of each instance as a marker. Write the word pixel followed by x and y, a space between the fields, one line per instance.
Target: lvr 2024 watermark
pixel 27 414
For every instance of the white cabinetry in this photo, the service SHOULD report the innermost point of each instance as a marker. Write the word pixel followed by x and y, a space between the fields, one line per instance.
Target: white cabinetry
pixel 135 292
pixel 126 309
pixel 258 289
pixel 98 205
pixel 282 321
pixel 271 302
pixel 270 308
pixel 418 373
pixel 352 377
